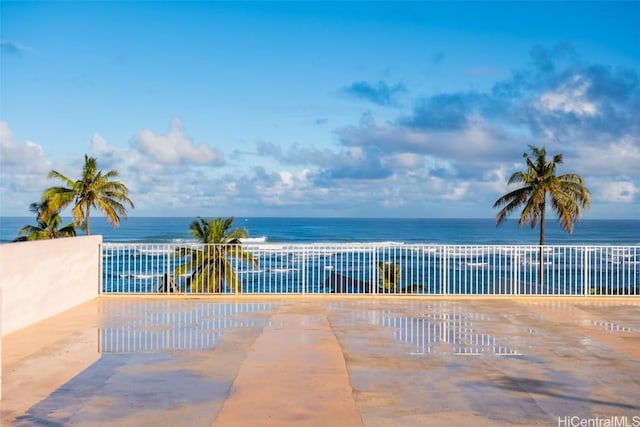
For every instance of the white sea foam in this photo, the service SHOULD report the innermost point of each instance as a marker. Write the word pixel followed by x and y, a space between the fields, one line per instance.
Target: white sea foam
pixel 162 251
pixel 183 240
pixel 535 262
pixel 281 270
pixel 318 248
pixel 250 271
pixel 139 276
pixel 476 264
pixel 250 240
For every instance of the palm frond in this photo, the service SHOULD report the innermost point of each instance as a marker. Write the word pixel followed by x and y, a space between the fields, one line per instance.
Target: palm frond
pixel 567 192
pixel 211 268
pixel 94 189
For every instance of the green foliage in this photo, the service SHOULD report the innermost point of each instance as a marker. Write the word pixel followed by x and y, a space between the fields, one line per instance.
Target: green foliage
pixel 210 267
pixel 48 225
pixel 390 274
pixel 630 290
pixel 94 189
pixel 567 193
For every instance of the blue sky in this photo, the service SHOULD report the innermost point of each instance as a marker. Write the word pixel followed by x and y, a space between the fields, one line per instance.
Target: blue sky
pixel 385 109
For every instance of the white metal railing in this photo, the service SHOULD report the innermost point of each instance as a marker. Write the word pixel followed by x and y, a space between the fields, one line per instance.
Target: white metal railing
pixel 371 268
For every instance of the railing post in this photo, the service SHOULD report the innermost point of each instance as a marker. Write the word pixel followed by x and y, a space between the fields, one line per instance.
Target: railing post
pixel 586 274
pixel 515 271
pixel 374 266
pixel 444 274
pixel 303 269
pixel 100 273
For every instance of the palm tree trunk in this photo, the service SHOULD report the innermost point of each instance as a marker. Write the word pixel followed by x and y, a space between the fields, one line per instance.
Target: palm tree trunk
pixel 541 254
pixel 86 220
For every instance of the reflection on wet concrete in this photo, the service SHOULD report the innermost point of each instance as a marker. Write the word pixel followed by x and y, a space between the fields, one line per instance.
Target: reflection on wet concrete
pixel 563 366
pixel 134 389
pixel 434 327
pixel 153 326
pixel 614 327
pixel 174 362
pixel 160 362
pixel 457 330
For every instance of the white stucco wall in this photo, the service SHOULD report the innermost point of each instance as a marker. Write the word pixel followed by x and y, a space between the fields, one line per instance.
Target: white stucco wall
pixel 0 342
pixel 42 278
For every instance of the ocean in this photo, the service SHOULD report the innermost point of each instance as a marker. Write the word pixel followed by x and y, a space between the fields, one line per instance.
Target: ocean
pixel 341 230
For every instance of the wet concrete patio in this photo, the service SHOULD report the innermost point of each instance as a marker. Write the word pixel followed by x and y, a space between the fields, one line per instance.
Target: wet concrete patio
pixel 267 361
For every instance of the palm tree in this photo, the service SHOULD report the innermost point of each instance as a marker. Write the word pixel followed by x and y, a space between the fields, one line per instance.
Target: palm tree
pixel 93 189
pixel 209 266
pixel 390 274
pixel 47 227
pixel 567 193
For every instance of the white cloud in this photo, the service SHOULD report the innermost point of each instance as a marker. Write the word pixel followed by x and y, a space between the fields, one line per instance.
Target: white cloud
pixel 175 147
pixel 449 157
pixel 99 145
pixel 617 191
pixel 23 173
pixel 569 98
pixel 231 188
pixel 392 193
pixel 458 192
pixel 285 187
pixel 286 178
pixel 27 157
pixel 404 161
pixel 606 158
pixel 497 179
pixel 6 136
pixel 23 166
pixel 479 141
pixel 156 187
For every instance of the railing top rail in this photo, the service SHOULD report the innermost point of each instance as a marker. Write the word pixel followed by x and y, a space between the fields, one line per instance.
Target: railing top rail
pixel 368 244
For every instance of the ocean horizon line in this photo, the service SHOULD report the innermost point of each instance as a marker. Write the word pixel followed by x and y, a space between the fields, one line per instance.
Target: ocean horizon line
pixel 476 231
pixel 549 220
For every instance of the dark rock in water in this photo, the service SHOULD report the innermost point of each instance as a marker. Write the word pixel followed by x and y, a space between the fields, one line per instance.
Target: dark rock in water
pixel 168 284
pixel 339 283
